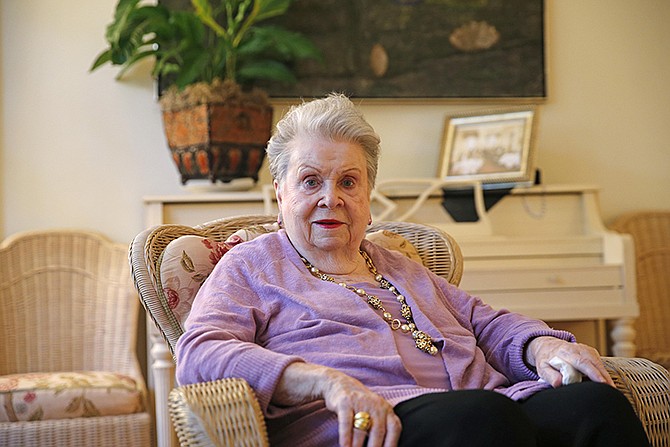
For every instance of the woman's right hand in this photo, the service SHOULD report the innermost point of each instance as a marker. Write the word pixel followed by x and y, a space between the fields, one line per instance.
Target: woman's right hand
pixel 345 396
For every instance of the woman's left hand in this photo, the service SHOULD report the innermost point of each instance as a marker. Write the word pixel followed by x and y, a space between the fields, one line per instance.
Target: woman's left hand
pixel 585 359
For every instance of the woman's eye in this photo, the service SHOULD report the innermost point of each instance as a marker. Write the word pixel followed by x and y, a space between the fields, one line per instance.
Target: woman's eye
pixel 348 183
pixel 311 182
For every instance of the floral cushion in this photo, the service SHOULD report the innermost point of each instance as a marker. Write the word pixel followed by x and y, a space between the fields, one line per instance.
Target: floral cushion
pixel 186 263
pixel 65 395
pixel 188 260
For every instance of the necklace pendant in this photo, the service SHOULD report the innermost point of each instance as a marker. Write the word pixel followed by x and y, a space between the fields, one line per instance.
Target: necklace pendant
pixel 424 342
pixel 406 312
pixel 375 302
pixel 426 346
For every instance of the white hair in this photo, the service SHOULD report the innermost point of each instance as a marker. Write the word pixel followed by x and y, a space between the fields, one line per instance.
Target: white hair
pixel 334 117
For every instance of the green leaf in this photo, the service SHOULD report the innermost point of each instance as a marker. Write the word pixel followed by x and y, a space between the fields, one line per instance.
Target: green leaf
pixel 124 9
pixel 266 69
pixel 289 44
pixel 102 59
pixel 203 10
pixel 140 19
pixel 271 8
pixel 192 71
pixel 132 61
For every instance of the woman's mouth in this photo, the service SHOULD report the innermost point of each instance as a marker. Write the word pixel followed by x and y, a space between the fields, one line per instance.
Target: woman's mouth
pixel 328 223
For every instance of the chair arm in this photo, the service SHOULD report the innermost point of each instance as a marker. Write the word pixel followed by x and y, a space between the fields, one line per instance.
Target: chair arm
pixel 647 387
pixel 220 413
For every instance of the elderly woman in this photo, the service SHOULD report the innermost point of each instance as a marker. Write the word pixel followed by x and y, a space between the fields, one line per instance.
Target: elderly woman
pixel 347 343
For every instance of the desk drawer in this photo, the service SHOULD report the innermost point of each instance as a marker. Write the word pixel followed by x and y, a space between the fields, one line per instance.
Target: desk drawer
pixel 554 294
pixel 479 281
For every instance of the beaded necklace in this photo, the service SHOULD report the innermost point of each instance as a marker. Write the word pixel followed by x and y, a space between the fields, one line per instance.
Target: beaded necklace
pixel 422 341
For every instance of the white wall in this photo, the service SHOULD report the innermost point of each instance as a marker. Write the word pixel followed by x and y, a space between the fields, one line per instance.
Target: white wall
pixel 81 150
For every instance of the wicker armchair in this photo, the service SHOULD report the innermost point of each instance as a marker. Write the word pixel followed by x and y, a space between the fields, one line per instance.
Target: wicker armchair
pixel 69 375
pixel 226 412
pixel 651 235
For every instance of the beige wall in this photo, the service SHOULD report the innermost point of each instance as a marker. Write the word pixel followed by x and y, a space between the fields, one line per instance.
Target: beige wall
pixel 81 150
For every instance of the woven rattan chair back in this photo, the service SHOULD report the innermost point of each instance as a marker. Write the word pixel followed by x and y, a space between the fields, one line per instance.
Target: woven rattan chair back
pixel 67 304
pixel 650 231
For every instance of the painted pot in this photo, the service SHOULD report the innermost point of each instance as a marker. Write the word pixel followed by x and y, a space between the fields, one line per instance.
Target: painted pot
pixel 218 141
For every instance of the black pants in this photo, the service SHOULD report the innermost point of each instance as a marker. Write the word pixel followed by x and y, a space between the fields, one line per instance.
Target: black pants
pixel 578 415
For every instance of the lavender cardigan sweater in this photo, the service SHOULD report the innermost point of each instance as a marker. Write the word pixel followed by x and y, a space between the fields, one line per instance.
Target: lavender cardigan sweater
pixel 261 310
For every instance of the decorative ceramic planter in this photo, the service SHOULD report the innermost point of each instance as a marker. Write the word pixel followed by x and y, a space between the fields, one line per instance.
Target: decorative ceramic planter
pixel 218 141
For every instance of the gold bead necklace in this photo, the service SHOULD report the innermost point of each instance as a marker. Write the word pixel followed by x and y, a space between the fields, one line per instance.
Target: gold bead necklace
pixel 422 340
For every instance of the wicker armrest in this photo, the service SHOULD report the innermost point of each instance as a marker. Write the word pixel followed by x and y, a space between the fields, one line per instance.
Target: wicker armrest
pixel 224 412
pixel 647 387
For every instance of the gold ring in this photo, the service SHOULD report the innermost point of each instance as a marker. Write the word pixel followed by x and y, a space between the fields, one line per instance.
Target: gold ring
pixel 362 421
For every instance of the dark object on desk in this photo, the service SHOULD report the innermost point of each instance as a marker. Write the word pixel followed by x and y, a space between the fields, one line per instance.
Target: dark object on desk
pixel 460 203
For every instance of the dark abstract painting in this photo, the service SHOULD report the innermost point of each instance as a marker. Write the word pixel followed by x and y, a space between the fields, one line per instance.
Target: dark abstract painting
pixel 419 48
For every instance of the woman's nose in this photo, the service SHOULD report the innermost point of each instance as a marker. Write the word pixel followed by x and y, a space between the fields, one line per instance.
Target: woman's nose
pixel 331 196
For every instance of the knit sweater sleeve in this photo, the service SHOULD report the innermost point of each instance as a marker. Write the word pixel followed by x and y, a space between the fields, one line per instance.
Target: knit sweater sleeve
pixel 221 331
pixel 502 335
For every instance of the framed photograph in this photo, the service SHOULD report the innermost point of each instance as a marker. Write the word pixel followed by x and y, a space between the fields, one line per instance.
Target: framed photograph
pixel 496 148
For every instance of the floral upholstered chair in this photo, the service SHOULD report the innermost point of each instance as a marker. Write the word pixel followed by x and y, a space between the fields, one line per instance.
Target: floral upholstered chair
pixel 69 374
pixel 170 262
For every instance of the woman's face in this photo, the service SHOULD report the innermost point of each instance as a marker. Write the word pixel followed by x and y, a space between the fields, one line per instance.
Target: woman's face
pixel 324 199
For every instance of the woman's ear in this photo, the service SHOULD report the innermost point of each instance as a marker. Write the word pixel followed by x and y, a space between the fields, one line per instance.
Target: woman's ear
pixel 279 201
pixel 278 194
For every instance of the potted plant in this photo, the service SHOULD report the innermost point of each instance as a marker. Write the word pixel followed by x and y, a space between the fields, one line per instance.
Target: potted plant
pixel 216 122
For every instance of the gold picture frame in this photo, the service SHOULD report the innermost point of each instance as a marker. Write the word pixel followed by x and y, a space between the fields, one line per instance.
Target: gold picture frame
pixel 494 147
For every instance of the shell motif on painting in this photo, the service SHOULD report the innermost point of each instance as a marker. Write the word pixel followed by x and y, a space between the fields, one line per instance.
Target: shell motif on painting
pixel 379 60
pixel 474 36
